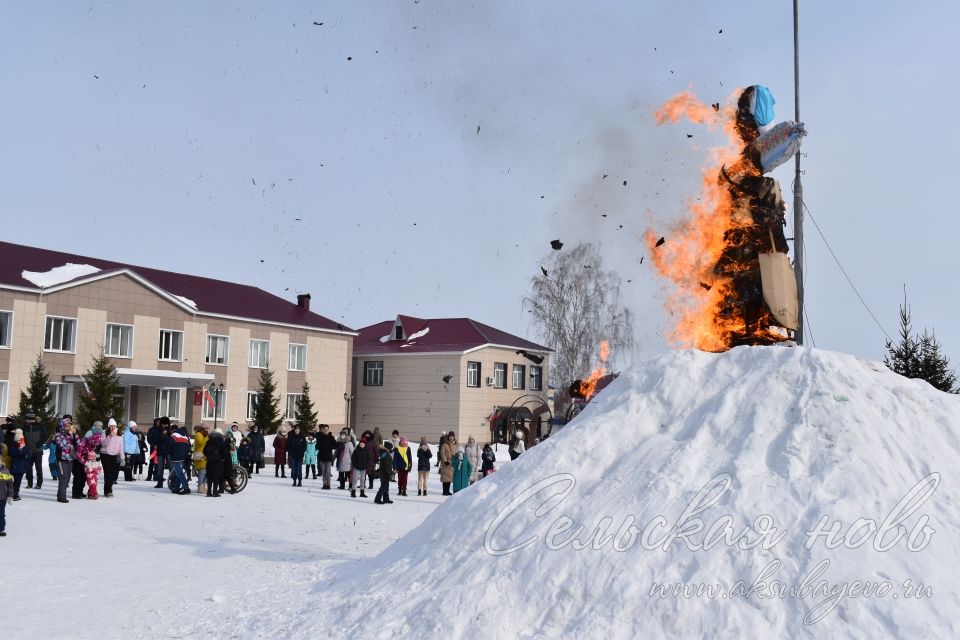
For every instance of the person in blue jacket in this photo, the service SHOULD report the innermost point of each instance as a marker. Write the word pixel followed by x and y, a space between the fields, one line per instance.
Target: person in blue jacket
pixel 131 449
pixel 51 446
pixel 462 469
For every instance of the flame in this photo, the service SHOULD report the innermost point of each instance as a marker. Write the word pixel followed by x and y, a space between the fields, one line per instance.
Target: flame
pixel 588 386
pixel 701 303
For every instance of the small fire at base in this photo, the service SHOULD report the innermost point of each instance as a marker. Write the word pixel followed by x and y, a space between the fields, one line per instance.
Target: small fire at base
pixel 729 259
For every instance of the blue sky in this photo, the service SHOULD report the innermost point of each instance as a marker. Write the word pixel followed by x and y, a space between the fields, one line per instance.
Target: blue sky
pixel 191 136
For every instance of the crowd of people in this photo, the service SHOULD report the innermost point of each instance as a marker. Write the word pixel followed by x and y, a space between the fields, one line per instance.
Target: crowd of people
pixel 82 462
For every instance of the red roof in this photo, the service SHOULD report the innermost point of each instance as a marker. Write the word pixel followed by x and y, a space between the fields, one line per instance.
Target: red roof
pixel 453 335
pixel 210 295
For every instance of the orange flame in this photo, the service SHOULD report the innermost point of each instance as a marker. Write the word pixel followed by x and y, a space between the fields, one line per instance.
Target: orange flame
pixel 694 246
pixel 588 386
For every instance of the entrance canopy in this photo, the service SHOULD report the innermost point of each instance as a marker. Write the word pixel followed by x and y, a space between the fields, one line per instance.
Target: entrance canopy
pixel 156 378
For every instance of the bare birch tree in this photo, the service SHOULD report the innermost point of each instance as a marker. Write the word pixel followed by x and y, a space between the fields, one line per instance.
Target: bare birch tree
pixel 575 304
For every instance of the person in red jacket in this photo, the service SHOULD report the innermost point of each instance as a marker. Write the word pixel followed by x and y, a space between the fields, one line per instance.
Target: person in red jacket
pixel 280 455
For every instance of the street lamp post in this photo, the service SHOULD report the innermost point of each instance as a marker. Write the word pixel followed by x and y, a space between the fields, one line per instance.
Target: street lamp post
pixel 215 393
pixel 348 398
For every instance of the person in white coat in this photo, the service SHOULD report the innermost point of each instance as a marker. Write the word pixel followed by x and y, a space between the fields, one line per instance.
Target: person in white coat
pixel 472 453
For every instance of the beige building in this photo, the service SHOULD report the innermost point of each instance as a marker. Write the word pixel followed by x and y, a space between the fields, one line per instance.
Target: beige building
pixel 425 376
pixel 170 336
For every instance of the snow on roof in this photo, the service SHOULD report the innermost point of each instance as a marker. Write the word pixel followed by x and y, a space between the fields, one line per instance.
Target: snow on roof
pixel 790 434
pixel 419 334
pixel 385 338
pixel 58 275
pixel 187 301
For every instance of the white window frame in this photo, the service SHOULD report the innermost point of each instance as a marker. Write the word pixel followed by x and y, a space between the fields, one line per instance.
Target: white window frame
pixel 290 413
pixel 62 394
pixel 266 361
pixel 73 337
pixel 4 391
pixel 226 355
pixel 172 332
pixel 106 340
pixel 499 381
pixel 179 403
pixel 291 365
pixel 8 323
pixel 473 374
pixel 367 370
pixel 536 381
pixel 518 382
pixel 221 408
pixel 251 397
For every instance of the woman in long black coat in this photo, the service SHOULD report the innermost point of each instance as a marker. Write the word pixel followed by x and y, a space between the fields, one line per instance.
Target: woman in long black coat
pixel 217 453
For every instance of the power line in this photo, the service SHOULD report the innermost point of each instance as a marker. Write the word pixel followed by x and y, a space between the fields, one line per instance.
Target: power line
pixel 844 272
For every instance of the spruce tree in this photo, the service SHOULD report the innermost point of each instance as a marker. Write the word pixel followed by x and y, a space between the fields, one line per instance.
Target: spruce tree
pixel 99 400
pixel 904 357
pixel 306 417
pixel 37 399
pixel 266 406
pixel 934 366
pixel 920 358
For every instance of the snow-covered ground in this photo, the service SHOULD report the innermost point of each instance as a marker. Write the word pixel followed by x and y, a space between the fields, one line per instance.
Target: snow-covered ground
pixel 795 435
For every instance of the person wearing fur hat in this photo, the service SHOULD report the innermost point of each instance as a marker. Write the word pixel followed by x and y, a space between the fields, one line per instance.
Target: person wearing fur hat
pixel 472 451
pixel 360 461
pixel 6 494
pixel 423 466
pixel 280 455
pixel 344 459
pixel 402 464
pixel 245 455
pixel 462 470
pixel 386 465
pixel 447 451
pixel 22 459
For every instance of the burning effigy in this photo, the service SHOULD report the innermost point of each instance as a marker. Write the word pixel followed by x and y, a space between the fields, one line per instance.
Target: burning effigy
pixel 735 283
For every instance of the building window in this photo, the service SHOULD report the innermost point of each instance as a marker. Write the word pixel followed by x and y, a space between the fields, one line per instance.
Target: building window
pixel 119 341
pixel 297 357
pixel 60 334
pixel 473 374
pixel 61 398
pixel 259 354
pixel 398 332
pixel 6 327
pixel 536 378
pixel 218 350
pixel 292 399
pixel 4 385
pixel 518 372
pixel 171 348
pixel 373 374
pixel 220 398
pixel 168 403
pixel 251 402
pixel 500 375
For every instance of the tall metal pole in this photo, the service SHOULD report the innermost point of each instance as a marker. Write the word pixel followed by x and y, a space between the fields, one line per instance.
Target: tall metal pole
pixel 797 186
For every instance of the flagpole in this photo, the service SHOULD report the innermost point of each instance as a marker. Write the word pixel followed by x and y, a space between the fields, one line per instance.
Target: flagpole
pixel 797 186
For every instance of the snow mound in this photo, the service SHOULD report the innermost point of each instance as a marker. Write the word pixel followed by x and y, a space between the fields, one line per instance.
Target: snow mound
pixel 58 275
pixel 778 438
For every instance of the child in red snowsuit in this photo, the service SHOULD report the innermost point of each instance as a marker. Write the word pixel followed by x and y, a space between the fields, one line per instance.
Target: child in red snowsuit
pixel 92 469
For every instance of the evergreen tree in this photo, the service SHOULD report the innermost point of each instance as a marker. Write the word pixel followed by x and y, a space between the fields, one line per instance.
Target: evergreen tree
pixel 99 401
pixel 305 415
pixel 904 357
pixel 266 406
pixel 37 399
pixel 934 366
pixel 920 358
